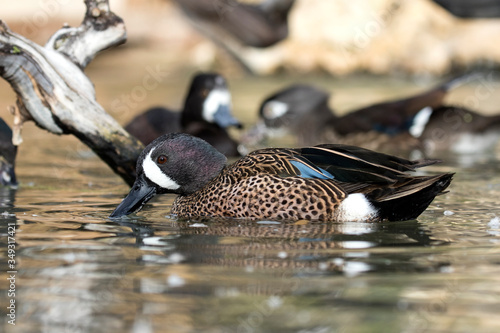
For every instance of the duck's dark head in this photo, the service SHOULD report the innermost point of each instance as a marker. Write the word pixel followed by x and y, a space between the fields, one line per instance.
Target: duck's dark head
pixel 287 107
pixel 209 100
pixel 173 163
pixel 288 111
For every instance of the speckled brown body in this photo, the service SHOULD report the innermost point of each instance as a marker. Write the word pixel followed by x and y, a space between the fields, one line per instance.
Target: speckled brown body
pixel 245 190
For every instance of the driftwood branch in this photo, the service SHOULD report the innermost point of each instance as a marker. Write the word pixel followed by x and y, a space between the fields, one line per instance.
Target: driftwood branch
pixel 53 91
pixel 100 29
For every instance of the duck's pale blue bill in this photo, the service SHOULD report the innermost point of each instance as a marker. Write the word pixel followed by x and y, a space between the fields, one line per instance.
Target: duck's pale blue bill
pixel 224 118
pixel 140 193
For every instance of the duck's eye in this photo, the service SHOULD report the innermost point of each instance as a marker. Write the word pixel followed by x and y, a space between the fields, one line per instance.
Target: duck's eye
pixel 204 92
pixel 162 159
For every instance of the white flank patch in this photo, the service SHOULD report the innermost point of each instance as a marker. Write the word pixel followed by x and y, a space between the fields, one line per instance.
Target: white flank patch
pixel 154 174
pixel 215 98
pixel 474 143
pixel 274 109
pixel 421 119
pixel 356 208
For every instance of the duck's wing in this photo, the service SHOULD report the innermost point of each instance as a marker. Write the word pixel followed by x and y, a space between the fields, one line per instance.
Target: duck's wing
pixel 279 161
pixel 347 164
pixel 382 179
pixel 358 165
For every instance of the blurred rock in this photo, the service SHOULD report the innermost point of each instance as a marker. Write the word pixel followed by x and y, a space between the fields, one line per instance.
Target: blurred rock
pixel 381 37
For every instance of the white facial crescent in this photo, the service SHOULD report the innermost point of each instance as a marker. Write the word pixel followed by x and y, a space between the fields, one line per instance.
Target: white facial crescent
pixel 153 172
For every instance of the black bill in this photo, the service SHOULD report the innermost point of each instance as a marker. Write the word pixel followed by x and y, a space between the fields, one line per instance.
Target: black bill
pixel 140 193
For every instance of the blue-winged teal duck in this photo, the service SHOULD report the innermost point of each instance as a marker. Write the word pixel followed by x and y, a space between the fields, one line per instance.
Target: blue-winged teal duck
pixel 206 114
pixel 8 154
pixel 327 182
pixel 404 124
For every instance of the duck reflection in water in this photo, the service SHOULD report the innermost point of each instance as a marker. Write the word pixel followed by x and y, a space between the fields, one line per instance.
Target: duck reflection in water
pixel 320 247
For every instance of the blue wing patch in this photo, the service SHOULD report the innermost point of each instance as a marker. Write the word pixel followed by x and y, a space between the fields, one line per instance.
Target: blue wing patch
pixel 308 171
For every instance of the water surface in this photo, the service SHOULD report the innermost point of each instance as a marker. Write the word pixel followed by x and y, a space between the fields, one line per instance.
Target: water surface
pixel 78 271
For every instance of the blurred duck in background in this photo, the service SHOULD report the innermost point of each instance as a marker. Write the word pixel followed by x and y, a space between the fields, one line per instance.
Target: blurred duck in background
pixel 8 154
pixel 460 130
pixel 417 122
pixel 206 114
pixel 256 25
pixel 233 25
pixel 471 8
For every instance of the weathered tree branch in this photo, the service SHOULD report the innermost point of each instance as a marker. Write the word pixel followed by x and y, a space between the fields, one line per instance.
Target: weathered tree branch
pixel 53 91
pixel 100 29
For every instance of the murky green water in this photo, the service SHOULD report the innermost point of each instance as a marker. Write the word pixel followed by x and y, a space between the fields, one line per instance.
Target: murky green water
pixel 77 271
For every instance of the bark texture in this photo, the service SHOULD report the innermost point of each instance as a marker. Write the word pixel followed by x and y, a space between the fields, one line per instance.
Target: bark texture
pixel 53 91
